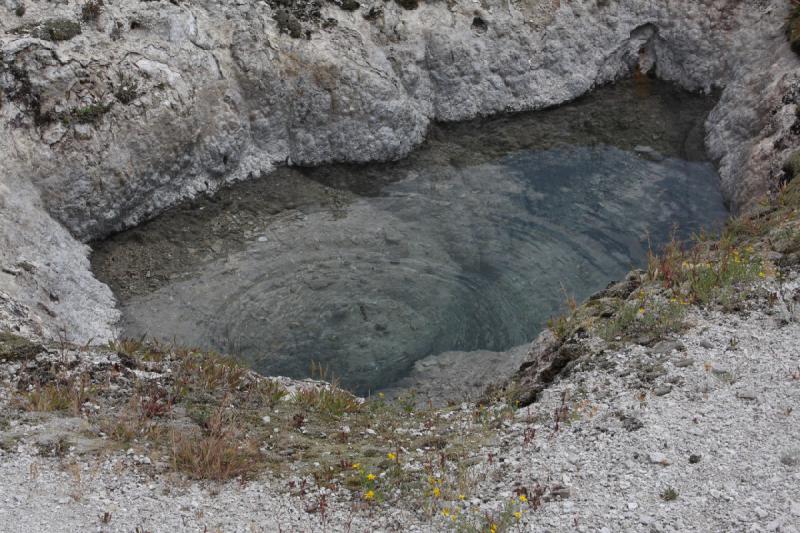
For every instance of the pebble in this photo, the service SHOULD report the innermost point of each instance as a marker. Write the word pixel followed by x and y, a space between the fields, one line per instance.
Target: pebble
pixel 658 458
pixel 662 390
pixel 646 519
pixel 747 394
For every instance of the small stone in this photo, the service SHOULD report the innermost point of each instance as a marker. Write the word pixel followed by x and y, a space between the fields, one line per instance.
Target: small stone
pixel 662 390
pixel 83 132
pixel 694 458
pixel 719 370
pixel 794 508
pixel 775 525
pixel 266 419
pixel 370 431
pixel 648 152
pixel 666 347
pixel 761 513
pixel 658 458
pixel 791 457
pixel 747 394
pixel 632 506
pixel 683 363
pixel 646 519
pixel 706 344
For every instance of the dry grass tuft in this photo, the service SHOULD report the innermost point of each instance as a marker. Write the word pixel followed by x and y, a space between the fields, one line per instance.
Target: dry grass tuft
pixel 220 452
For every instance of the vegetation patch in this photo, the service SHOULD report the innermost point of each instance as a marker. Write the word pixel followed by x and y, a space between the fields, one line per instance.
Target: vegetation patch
pixel 88 114
pixel 91 10
pixel 793 27
pixel 408 4
pixel 15 348
pixel 125 88
pixel 55 30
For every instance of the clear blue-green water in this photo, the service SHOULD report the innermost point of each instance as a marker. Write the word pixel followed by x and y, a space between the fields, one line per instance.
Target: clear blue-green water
pixel 470 243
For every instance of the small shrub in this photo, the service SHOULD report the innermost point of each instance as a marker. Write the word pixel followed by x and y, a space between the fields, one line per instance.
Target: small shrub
pixel 20 10
pixel 211 372
pixel 14 347
pixel 651 317
pixel 705 276
pixel 126 88
pixel 669 494
pixel 408 4
pixel 57 397
pixel 218 453
pixel 88 114
pixel 328 400
pixel 793 27
pixel 51 30
pixel 269 392
pixel 91 10
pixel 559 326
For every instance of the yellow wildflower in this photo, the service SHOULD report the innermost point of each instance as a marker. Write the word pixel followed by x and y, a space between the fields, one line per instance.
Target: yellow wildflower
pixel 446 511
pixel 762 274
pixel 523 498
pixel 371 477
pixel 436 492
pixel 369 495
pixel 461 497
pixel 641 310
pixel 381 395
pixel 356 466
pixel 517 515
pixel 493 528
pixel 391 456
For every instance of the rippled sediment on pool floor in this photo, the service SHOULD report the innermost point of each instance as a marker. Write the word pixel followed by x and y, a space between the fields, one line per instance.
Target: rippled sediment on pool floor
pixel 468 244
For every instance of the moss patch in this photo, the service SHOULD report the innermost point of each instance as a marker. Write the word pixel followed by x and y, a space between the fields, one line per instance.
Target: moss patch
pixel 14 347
pixel 408 4
pixel 793 30
pixel 792 166
pixel 51 30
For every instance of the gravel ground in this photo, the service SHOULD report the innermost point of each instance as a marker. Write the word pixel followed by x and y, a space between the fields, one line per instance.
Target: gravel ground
pixel 712 415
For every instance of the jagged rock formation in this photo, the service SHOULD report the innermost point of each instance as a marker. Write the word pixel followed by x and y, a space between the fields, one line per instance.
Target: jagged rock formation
pixel 111 113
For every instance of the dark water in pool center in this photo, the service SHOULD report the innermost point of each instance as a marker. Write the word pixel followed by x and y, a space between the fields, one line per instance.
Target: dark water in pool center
pixel 470 243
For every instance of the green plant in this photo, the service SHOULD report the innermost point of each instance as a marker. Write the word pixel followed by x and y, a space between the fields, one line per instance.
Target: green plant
pixel 702 275
pixel 88 114
pixel 91 10
pixel 269 392
pixel 653 317
pixel 126 88
pixel 669 494
pixel 329 400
